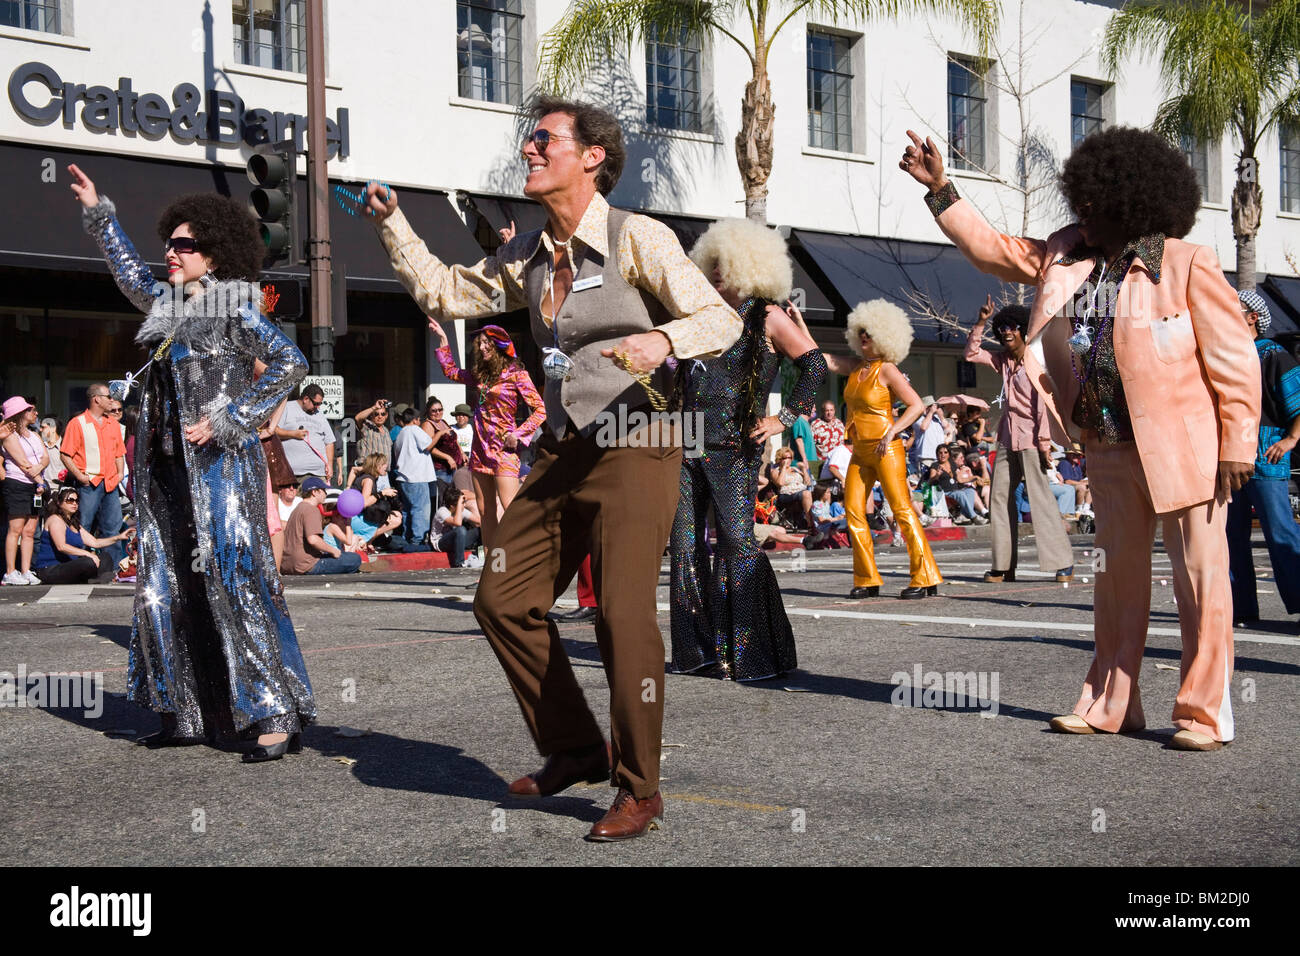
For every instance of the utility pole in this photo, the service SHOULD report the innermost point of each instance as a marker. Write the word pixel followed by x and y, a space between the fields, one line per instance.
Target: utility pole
pixel 318 230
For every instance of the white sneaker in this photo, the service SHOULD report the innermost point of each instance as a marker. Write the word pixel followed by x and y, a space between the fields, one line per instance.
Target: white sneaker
pixel 898 539
pixel 14 577
pixel 473 561
pixel 32 579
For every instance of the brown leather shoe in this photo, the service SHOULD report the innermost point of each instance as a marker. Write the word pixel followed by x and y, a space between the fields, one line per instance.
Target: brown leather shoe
pixel 995 576
pixel 565 768
pixel 628 818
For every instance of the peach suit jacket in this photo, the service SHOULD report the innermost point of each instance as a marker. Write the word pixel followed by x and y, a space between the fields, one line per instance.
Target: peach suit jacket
pixel 1185 356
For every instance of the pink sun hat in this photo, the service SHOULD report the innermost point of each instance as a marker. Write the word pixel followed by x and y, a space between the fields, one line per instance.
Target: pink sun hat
pixel 15 405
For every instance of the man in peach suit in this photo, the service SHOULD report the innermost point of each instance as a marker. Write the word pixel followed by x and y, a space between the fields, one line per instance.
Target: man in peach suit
pixel 1138 350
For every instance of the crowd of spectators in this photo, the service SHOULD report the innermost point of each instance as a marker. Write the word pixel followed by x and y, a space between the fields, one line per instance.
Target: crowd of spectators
pixel 950 456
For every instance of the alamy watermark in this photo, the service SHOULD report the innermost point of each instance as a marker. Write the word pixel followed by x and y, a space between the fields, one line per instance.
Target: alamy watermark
pixel 76 690
pixel 640 429
pixel 951 690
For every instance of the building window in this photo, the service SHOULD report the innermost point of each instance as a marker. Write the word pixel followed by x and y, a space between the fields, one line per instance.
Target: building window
pixel 966 109
pixel 1087 114
pixel 271 33
pixel 1198 157
pixel 1289 135
pixel 489 50
pixel 830 91
pixel 42 15
pixel 672 81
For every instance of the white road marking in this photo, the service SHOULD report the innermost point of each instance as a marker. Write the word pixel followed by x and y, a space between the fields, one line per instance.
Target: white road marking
pixel 1238 636
pixel 67 594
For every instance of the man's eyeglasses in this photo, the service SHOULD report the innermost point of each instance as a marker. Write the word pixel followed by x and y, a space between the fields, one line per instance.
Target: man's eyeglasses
pixel 541 138
pixel 182 244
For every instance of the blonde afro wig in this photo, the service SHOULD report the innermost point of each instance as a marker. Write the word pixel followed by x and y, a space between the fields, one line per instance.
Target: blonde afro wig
pixel 751 258
pixel 888 325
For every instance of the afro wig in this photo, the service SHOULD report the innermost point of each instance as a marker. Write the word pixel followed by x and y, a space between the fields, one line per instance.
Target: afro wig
pixel 1135 180
pixel 224 230
pixel 1013 317
pixel 751 258
pixel 888 325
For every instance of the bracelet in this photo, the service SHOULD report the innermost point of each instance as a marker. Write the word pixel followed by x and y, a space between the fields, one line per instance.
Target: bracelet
pixel 786 416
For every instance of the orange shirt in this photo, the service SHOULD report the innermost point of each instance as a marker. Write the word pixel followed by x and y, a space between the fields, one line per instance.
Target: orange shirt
pixel 95 448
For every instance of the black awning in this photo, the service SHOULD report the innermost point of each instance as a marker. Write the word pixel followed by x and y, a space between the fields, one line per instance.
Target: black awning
pixel 860 268
pixel 1283 297
pixel 41 227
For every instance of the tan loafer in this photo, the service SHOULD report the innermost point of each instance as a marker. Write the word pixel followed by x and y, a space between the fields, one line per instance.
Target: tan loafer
pixel 1194 740
pixel 1072 724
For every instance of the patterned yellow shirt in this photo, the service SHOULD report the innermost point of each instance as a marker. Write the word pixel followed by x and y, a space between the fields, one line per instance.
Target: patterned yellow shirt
pixel 649 258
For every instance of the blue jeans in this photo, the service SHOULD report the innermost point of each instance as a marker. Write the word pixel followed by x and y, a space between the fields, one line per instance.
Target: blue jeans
pixel 455 541
pixel 415 503
pixel 1066 498
pixel 101 515
pixel 965 498
pixel 348 563
pixel 1273 505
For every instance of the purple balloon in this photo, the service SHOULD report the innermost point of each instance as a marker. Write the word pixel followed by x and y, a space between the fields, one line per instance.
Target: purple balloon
pixel 351 503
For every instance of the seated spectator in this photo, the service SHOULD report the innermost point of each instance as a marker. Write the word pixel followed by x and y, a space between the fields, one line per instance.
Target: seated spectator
pixel 1064 494
pixel 828 517
pixel 966 479
pixel 455 529
pixel 792 487
pixel 305 549
pixel 380 516
pixel 61 554
pixel 1073 472
pixel 981 474
pixel 836 466
pixel 942 476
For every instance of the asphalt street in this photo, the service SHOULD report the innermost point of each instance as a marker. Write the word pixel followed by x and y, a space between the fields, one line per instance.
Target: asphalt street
pixel 419 735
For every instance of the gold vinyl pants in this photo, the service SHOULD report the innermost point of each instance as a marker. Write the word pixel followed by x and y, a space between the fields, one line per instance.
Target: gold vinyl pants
pixel 864 470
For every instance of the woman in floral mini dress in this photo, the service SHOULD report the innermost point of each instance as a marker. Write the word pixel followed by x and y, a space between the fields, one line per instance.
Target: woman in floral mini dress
pixel 503 385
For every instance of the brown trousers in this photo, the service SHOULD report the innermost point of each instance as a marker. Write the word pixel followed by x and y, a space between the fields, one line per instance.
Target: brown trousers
pixel 619 502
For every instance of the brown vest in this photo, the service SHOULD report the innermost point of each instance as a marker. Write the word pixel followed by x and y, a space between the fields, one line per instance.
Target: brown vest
pixel 590 320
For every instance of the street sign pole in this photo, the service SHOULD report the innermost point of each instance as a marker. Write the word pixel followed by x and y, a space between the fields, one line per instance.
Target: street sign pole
pixel 322 325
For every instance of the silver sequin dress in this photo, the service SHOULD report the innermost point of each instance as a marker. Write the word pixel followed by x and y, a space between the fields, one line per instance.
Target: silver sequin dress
pixel 211 641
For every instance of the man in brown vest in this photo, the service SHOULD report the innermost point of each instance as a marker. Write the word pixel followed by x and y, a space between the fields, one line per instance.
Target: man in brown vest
pixel 611 295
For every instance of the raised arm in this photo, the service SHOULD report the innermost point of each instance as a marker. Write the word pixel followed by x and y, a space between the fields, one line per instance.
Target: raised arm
pixel 99 218
pixel 841 364
pixel 651 258
pixel 1007 257
pixel 488 287
pixel 234 418
pixel 975 350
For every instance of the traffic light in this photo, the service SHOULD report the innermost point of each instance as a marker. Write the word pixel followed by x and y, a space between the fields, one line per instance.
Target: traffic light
pixel 274 175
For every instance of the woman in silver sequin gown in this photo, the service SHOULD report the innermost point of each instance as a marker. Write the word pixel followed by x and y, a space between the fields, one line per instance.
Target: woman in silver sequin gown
pixel 212 647
pixel 727 616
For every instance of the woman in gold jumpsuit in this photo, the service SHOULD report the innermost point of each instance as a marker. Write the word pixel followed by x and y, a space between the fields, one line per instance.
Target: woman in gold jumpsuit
pixel 881 332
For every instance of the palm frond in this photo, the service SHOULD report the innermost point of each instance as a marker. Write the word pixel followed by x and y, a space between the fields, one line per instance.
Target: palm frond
pixel 593 31
pixel 979 17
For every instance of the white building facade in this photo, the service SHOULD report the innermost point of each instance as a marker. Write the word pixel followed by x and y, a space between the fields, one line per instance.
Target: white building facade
pixel 424 96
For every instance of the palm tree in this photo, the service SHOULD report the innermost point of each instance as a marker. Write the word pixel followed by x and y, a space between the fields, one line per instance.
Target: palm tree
pixel 591 30
pixel 1224 68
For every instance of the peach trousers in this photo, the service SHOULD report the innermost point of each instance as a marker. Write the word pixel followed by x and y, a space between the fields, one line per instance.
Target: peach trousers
pixel 1197 544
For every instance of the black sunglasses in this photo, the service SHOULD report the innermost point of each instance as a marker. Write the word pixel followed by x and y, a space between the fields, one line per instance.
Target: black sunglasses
pixel 181 244
pixel 541 138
